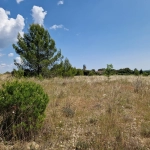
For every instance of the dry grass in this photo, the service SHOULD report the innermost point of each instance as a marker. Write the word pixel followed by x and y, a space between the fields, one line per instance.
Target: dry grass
pixel 91 113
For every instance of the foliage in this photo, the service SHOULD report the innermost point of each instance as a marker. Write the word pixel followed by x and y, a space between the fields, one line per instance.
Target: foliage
pixel 18 73
pixel 68 111
pixel 124 71
pixel 64 69
pixel 57 70
pixel 108 70
pixel 141 71
pixel 22 106
pixel 37 50
pixel 145 74
pixel 91 73
pixel 136 72
pixel 79 72
pixel 67 69
pixel 86 72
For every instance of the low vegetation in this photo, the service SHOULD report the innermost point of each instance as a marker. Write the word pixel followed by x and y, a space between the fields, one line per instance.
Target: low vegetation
pixel 90 113
pixel 92 110
pixel 22 106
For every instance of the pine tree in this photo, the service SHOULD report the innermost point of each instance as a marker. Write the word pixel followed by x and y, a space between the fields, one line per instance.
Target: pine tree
pixel 37 50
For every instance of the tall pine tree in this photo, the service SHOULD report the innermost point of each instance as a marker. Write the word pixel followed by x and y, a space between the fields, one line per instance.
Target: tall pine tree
pixel 37 50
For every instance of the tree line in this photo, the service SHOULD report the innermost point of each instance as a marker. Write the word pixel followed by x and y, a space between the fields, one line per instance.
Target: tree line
pixel 40 57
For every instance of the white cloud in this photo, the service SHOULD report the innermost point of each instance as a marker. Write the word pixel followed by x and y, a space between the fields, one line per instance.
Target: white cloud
pixel 9 28
pixel 10 55
pixel 66 29
pixel 60 2
pixel 7 12
pixel 38 14
pixel 18 1
pixel 55 27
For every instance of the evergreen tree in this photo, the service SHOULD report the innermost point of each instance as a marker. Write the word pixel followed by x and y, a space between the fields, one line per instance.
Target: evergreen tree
pixel 37 50
pixel 141 71
pixel 68 70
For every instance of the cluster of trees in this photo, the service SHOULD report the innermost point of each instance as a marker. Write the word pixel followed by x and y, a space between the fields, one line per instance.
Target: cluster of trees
pixel 128 71
pixel 40 57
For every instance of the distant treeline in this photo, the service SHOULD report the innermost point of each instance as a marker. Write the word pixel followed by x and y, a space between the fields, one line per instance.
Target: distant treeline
pixel 123 71
pixel 82 72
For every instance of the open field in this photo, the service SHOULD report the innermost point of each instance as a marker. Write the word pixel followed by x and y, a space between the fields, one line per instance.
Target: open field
pixel 92 113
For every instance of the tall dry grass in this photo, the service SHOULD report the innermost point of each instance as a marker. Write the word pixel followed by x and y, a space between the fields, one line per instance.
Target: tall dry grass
pixel 92 113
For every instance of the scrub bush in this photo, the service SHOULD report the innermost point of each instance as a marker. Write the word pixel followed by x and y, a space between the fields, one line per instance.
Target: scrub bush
pixel 22 106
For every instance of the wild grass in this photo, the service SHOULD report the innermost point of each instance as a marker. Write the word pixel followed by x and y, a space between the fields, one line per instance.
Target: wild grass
pixel 92 113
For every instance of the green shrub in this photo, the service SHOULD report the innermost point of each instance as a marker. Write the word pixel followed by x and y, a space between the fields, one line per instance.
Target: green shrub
pixel 91 73
pixel 22 106
pixel 79 72
pixel 18 73
pixel 145 74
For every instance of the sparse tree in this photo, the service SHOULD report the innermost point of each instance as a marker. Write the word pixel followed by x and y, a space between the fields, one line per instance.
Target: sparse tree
pixel 108 70
pixel 136 72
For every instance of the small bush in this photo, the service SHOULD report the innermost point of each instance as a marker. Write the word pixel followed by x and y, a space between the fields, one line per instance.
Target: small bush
pixel 18 73
pixel 145 74
pixel 79 72
pixel 67 111
pixel 145 129
pixel 82 145
pixel 91 73
pixel 22 106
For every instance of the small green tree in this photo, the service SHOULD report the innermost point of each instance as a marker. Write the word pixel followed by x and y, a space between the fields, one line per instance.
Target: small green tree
pixel 136 72
pixel 108 70
pixel 37 50
pixel 68 70
pixel 64 69
pixel 22 106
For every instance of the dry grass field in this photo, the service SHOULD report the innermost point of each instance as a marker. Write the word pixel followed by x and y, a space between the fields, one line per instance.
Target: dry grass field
pixel 92 113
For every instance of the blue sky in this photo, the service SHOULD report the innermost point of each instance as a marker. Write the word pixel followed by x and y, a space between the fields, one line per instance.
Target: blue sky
pixel 94 33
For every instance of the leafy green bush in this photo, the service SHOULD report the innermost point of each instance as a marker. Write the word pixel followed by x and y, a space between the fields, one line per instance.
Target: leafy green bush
pixel 22 106
pixel 91 73
pixel 18 73
pixel 79 72
pixel 145 74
